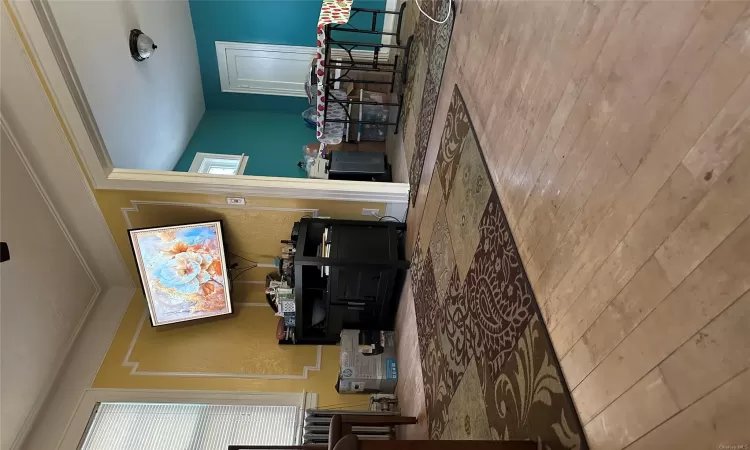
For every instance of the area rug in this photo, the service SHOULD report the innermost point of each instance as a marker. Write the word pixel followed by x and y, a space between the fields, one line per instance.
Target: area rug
pixel 489 368
pixel 427 56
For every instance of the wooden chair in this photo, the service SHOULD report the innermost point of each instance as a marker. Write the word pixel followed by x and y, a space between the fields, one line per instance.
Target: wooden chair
pixel 340 437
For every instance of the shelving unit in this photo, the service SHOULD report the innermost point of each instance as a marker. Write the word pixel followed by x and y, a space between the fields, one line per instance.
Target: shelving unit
pixel 352 279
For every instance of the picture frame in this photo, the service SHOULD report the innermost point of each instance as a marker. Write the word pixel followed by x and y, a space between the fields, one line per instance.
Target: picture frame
pixel 183 271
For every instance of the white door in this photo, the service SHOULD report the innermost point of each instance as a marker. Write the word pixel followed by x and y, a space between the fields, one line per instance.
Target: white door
pixel 263 68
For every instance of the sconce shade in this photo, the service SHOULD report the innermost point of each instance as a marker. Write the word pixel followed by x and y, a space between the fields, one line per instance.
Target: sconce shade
pixel 141 46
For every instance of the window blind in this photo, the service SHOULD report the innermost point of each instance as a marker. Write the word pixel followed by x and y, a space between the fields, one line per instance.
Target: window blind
pixel 179 426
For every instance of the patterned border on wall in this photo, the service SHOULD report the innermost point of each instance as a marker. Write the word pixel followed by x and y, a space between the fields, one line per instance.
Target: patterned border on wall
pixel 136 203
pixel 126 362
pixel 134 364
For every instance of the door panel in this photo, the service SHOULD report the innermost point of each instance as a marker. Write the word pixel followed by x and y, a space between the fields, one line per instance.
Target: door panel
pixel 263 69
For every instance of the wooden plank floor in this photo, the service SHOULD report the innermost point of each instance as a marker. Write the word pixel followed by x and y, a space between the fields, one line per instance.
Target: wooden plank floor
pixel 618 136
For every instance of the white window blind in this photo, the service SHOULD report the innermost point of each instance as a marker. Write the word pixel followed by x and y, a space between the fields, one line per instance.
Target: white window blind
pixel 179 426
pixel 217 164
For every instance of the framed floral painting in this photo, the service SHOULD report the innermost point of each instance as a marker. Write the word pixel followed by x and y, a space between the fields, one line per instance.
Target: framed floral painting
pixel 183 271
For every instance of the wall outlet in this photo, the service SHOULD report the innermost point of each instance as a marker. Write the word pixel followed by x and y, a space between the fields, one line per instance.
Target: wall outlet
pixel 370 212
pixel 235 200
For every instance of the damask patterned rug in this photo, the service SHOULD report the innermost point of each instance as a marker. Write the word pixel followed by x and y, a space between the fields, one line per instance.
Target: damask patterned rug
pixel 489 368
pixel 427 56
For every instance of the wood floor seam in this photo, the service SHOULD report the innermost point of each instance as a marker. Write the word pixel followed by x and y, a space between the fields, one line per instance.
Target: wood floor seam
pixel 674 350
pixel 586 144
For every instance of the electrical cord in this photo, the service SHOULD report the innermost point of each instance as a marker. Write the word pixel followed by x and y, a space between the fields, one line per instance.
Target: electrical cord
pixel 428 16
pixel 380 219
pixel 235 270
pixel 237 275
pixel 242 257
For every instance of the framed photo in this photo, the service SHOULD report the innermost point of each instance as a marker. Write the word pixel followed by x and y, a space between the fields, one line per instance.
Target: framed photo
pixel 183 271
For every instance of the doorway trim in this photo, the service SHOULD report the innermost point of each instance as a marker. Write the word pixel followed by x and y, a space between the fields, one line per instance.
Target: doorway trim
pixel 51 62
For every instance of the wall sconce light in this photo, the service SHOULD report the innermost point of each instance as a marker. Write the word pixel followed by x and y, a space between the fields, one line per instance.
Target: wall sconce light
pixel 141 46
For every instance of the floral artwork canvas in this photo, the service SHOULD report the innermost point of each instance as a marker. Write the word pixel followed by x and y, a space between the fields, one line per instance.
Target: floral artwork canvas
pixel 183 271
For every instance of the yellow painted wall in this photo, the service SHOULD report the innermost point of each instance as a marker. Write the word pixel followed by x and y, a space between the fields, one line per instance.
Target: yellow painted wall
pixel 232 347
pixel 236 353
pixel 253 231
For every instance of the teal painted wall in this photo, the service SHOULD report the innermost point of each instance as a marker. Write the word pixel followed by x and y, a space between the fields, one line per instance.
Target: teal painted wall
pixel 272 141
pixel 283 22
pixel 267 128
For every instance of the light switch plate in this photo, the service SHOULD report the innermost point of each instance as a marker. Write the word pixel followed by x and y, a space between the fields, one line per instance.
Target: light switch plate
pixel 370 212
pixel 235 200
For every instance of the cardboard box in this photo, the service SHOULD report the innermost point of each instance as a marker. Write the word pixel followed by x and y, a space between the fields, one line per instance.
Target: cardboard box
pixel 361 373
